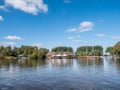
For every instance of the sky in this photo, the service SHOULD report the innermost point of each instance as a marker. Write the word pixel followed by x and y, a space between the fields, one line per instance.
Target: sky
pixel 51 23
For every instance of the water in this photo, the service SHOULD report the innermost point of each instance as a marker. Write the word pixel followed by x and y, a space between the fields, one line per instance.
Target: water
pixel 71 74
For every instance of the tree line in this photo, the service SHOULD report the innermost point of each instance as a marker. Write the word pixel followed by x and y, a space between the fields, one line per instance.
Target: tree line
pixel 114 50
pixel 28 51
pixel 62 49
pixel 90 51
pixel 33 52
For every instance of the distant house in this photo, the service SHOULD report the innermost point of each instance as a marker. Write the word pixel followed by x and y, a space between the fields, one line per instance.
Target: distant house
pixel 59 55
pixel 107 54
pixel 21 56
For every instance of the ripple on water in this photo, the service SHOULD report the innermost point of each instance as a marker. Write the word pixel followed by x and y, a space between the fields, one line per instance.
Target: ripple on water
pixel 65 75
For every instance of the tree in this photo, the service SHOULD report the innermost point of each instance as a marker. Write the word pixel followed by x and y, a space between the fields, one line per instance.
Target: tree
pixel 28 51
pixel 69 49
pixel 62 49
pixel 42 53
pixel 89 50
pixel 116 48
pixel 7 51
pixel 109 50
pixel 35 52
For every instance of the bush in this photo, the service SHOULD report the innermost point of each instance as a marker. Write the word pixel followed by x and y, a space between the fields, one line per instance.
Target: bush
pixel 10 58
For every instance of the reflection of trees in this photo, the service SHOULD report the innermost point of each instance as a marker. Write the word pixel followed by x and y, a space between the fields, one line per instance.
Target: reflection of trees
pixel 31 63
pixel 59 62
pixel 109 60
pixel 22 63
pixel 7 63
pixel 117 64
pixel 90 62
pixel 114 63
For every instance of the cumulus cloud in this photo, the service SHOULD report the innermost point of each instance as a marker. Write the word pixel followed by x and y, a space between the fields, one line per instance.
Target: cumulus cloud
pixel 100 35
pixel 72 30
pixel 28 6
pixel 84 26
pixel 13 37
pixel 1 18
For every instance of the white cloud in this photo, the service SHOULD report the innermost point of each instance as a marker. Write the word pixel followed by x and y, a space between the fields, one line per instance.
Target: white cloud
pixel 72 30
pixel 28 6
pixel 74 38
pixel 100 35
pixel 39 45
pixel 69 38
pixel 1 18
pixel 115 37
pixel 86 26
pixel 2 7
pixel 7 43
pixel 77 41
pixel 13 37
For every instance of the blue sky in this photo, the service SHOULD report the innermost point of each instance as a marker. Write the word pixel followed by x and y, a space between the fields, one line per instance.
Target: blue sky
pixel 50 23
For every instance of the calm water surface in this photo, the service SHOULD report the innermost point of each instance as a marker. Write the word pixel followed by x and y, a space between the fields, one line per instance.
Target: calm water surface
pixel 65 74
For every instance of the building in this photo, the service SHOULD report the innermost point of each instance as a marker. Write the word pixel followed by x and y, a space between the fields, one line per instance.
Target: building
pixel 59 55
pixel 21 57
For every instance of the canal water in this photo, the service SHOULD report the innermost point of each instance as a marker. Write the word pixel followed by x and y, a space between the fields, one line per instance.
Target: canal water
pixel 60 74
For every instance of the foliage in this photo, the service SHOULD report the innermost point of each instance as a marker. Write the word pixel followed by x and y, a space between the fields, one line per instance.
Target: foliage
pixel 10 58
pixel 109 50
pixel 62 49
pixel 90 50
pixel 116 48
pixel 42 53
pixel 27 51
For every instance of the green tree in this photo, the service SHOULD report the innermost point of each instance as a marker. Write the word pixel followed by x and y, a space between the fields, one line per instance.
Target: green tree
pixel 89 50
pixel 42 53
pixel 35 52
pixel 7 51
pixel 116 49
pixel 62 49
pixel 109 50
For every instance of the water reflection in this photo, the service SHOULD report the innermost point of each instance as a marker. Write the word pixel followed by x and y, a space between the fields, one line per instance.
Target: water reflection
pixel 21 63
pixel 90 62
pixel 60 74
pixel 59 62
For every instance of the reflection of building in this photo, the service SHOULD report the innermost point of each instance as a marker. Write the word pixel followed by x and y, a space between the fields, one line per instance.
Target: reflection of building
pixel 59 55
pixel 59 62
pixel 21 57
